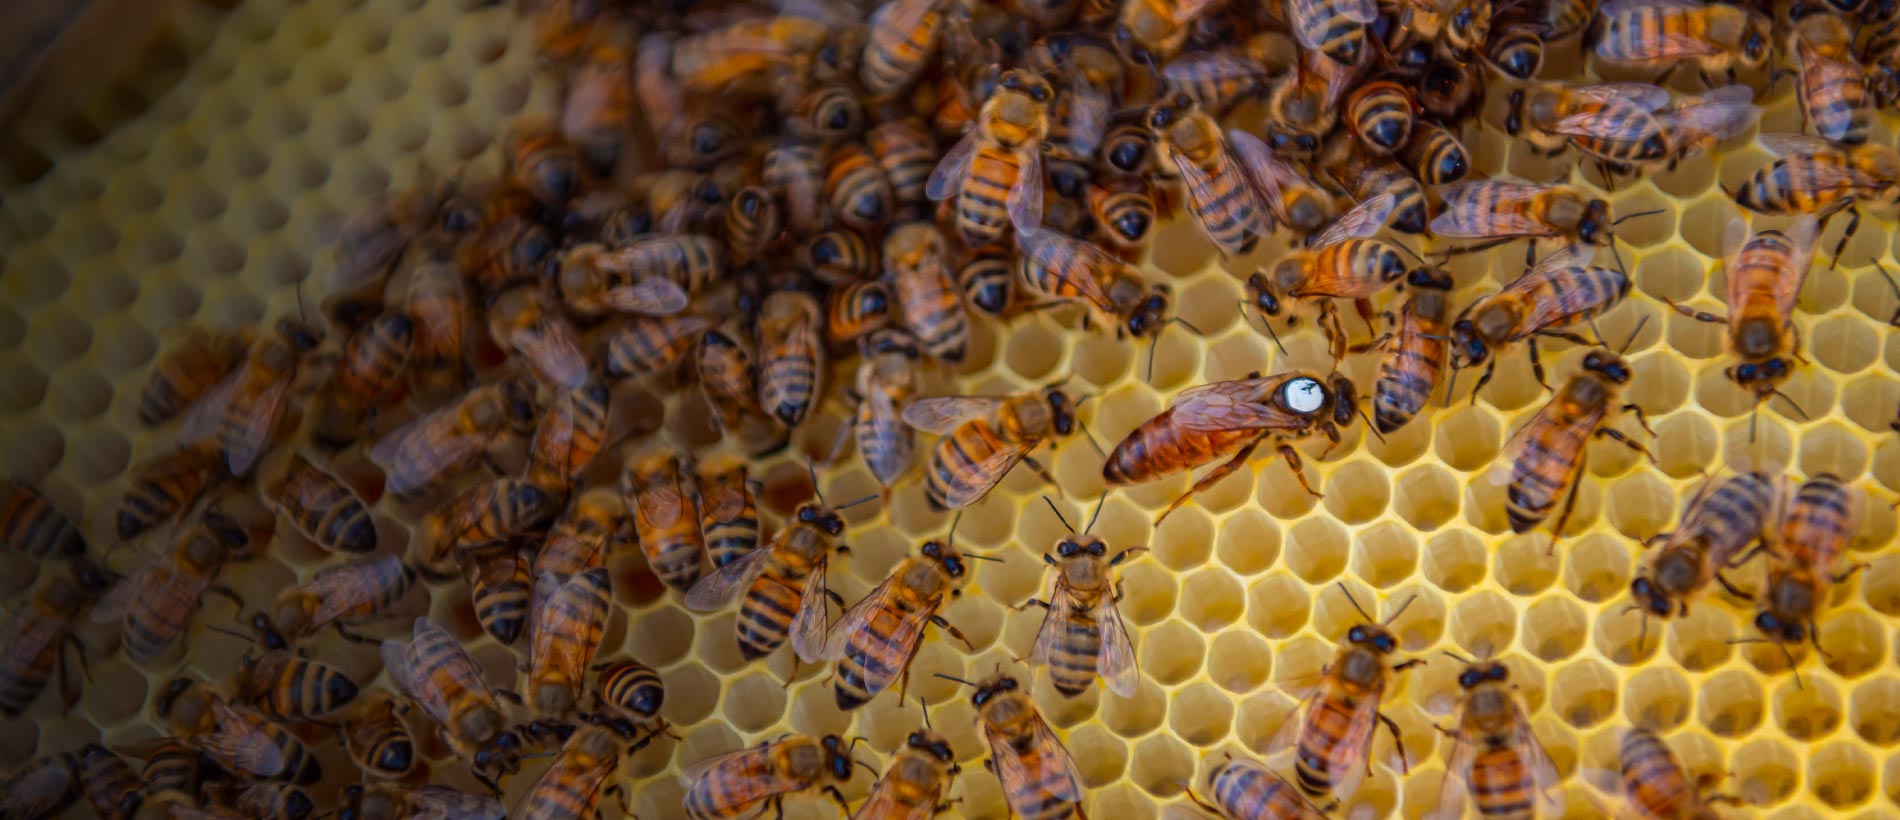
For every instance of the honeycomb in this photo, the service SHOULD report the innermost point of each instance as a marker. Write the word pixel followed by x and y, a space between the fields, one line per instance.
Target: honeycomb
pixel 214 201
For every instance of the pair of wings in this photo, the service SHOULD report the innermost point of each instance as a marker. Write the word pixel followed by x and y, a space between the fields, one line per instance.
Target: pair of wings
pixel 1516 460
pixel 1487 208
pixel 1024 200
pixel 240 744
pixel 809 623
pixel 1829 166
pixel 241 410
pixel 942 416
pixel 1662 41
pixel 1346 758
pixel 417 453
pixel 1618 112
pixel 1029 773
pixel 562 782
pixel 751 767
pixel 444 803
pixel 574 608
pixel 1546 784
pixel 1544 311
pixel 879 412
pixel 552 348
pixel 1115 660
pixel 1239 404
pixel 341 589
pixel 399 658
pixel 660 501
pixel 559 446
pixel 652 296
pixel 885 804
pixel 1706 119
pixel 907 634
pixel 1045 250
pixel 1800 238
pixel 158 585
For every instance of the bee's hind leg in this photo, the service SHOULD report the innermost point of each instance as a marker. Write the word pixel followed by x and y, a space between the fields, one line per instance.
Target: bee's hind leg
pixel 1213 477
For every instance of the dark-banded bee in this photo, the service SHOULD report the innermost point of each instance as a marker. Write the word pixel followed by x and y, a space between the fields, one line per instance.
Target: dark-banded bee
pixel 915 257
pixel 783 586
pixel 1040 780
pixel 839 257
pixel 1215 80
pixel 573 785
pixel 741 784
pixel 1816 523
pixel 567 620
pixel 1833 88
pixel 1415 352
pixel 36 638
pixel 344 595
pixel 1380 115
pixel 438 675
pixel 1821 177
pixel 570 434
pixel 1614 122
pixel 1714 37
pixel 1082 635
pixel 194 364
pixel 1495 757
pixel 856 310
pixel 158 602
pixel 324 509
pixel 986 279
pixel 389 801
pixel 1218 191
pixel 1124 214
pixel 916 783
pixel 886 382
pixel 1436 155
pixel 631 692
pixel 905 151
pixel 878 636
pixel 1365 179
pixel 33 527
pixel 1243 789
pixel 859 195
pixel 282 684
pixel 1764 273
pixel 415 456
pixel 995 172
pixel 371 369
pixel 792 356
pixel 1344 262
pixel 1335 28
pixel 1333 726
pixel 378 740
pixel 984 437
pixel 1542 461
pixel 903 38
pixel 1562 290
pixel 1517 50
pixel 1653 783
pixel 499 587
pixel 642 345
pixel 1717 524
pixel 244 412
pixel 666 517
pixel 728 510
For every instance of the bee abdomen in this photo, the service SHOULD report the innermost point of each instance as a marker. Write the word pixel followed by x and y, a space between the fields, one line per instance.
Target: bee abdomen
pixel 765 619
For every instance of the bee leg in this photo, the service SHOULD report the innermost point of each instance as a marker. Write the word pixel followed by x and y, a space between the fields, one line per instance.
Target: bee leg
pixel 1626 441
pixel 1213 477
pixel 1698 315
pixel 1730 588
pixel 1041 471
pixel 1205 806
pixel 1029 603
pixel 1483 379
pixel 1664 77
pixel 1398 742
pixel 834 794
pixel 1364 306
pixel 69 690
pixel 1372 344
pixel 1298 467
pixel 1537 368
pixel 778 808
pixel 1557 530
pixel 353 637
pixel 954 633
pixel 838 442
pixel 1853 224
pixel 1842 578
pixel 509 695
pixel 227 594
pixel 1795 348
pixel 1641 419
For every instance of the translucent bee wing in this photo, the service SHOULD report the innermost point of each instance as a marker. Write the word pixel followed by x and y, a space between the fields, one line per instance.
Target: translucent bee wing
pixel 1456 786
pixel 1262 167
pixel 727 583
pixel 942 414
pixel 1481 209
pixel 1116 663
pixel 655 296
pixel 948 176
pixel 1789 143
pixel 1361 222
pixel 812 621
pixel 1025 195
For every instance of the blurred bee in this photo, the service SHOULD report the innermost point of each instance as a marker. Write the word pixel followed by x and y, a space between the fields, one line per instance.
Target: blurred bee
pixel 917 783
pixel 1415 352
pixel 1365 179
pixel 378 740
pixel 903 38
pixel 983 437
pixel 1833 86
pixel 244 411
pixel 1215 80
pixel 929 301
pixel 1380 115
pixel 1150 31
pixel 856 191
pixel 524 321
pixel 839 257
pixel 170 777
pixel 691 261
pixel 856 310
pixel 390 801
pixel 287 686
pixel 580 538
pixel 368 246
pixel 1127 150
pixel 1717 524
pixel 1714 37
pixel 370 370
pixel 729 380
pixel 1542 461
pixel 157 603
pixel 743 52
pixel 642 345
pixel 783 586
pixel 995 172
pixel 633 693
pixel 591 283
pixel 886 382
pixel 509 246
pixel 35 639
pixel 820 112
pixel 238 738
pixel 666 517
pixel 1124 214
pixel 1063 270
pixel 1218 193
pixel 1287 194
pixel 415 456
pixel 1246 790
pixel 1494 754
pixel 1517 50
pixel 569 617
pixel 1821 177
pixel 1228 420
pixel 1091 77
pixel 790 322
pixel 484 515
pixel 753 222
pixel 499 588
pixel 1082 633
pixel 193 366
pixel 1562 290
pixel 570 434
pixel 742 783
pixel 42 788
pixel 325 511
pixel 1654 784
pixel 108 783
pixel 597 103
pixel 1304 105
pixel 796 172
pixel 537 158
pixel 1698 123
pixel 1764 274
pixel 438 316
pixel 1332 727
pixel 33 527
pixel 1344 262
pixel 1499 212
pixel 1614 122
pixel 729 510
pixel 277 801
pixel 573 786
pixel 344 595
pixel 1040 780
pixel 440 677
pixel 987 280
pixel 878 636
pixel 1816 524
pixel 906 153
pixel 1435 154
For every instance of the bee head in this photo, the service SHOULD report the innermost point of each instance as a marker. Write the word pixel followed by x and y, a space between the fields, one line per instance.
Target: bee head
pixel 1260 294
pixel 991 689
pixel 1373 637
pixel 1768 373
pixel 1029 84
pixel 1594 227
pixel 1477 674
pixel 1609 364
pixel 1292 143
pixel 352 808
pixel 1061 410
pixel 837 757
pixel 1428 278
pixel 932 744
pixel 1777 629
pixel 503 754
pixel 951 562
pixel 1649 598
pixel 819 516
pixel 1150 315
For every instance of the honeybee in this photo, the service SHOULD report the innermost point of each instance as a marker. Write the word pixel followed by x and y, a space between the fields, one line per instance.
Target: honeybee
pixel 438 315
pixel 1821 177
pixel 41 788
pixel 1061 269
pixel 277 801
pixel 344 595
pixel 640 345
pixel 440 677
pixel 1764 274
pixel 499 588
pixel 1246 790
pixel 743 52
pixel 995 172
pixel 370 369
pixel 1517 50
pixel 238 738
pixel 1700 122
pixel 856 310
pixel 597 103
pixel 986 279
pixel 1150 31
pixel 1287 195
pixel 878 636
pixel 1332 727
pixel 1364 179
pixel 1614 122
pixel 1654 784
pixel 728 510
pixel 36 637
pixel 783 586
pixel 886 381
pixel 110 785
pixel 570 434
pixel 592 284
pixel 752 223
pixel 1040 780
pixel 170 776
pixel 742 783
pixel 157 603
pixel 378 740
pixel 633 693
pixel 917 782
pixel 1815 527
pixel 482 516
pixel 416 455
pixel 1717 524
pixel 198 361
pixel 903 37
pixel 1215 80
pixel 1415 352
pixel 573 786
pixel 794 361
pixel 796 172
pixel 285 685
pixel 1544 458
pixel 390 801
pixel 907 154
pixel 1562 290
pixel 1303 106
pixel 1218 193
pixel 1499 212
pixel 368 245
pixel 1344 262
pixel 1711 36
pixel 856 190
pixel 930 303
pixel 983 437
pixel 839 257
pixel 666 517
pixel 1082 633
pixel 1124 214
pixel 1335 28
pixel 569 617
pixel 1833 88
pixel 1380 115
pixel 508 247
pixel 1230 418
pixel 1494 754
pixel 325 510
pixel 691 261
pixel 538 159
pixel 1435 154
pixel 244 410
pixel 525 322
pixel 729 380
pixel 33 527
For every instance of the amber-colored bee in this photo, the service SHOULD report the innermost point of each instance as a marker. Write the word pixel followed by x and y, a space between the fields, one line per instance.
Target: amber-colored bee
pixel 274 801
pixel 796 172
pixel 1495 757
pixel 995 172
pixel 1284 192
pixel 907 154
pixel 569 616
pixel 1365 179
pixel 1215 80
pixel 416 455
pixel 858 194
pixel 592 282
pixel 915 255
pixel 729 511
pixel 324 509
pixel 729 380
pixel 378 740
pixel 537 158
pixel 1764 274
pixel 597 106
pixel 370 369
pixel 1415 352
pixel 666 516
pixel 902 39
pixel 570 434
pixel 633 693
pixel 482 516
pixel 110 786
pixel 641 345
pixel 1063 269
pixel 440 677
pixel 783 586
pixel 1832 87
pixel 1717 524
pixel 368 246
pixel 1151 31
pixel 1082 634
pixel 839 257
pixel 1614 122
pixel 157 603
pixel 508 248
pixel 1040 780
pixel 238 738
pixel 983 438
pixel 1244 789
pixel 856 310
pixel 524 321
pixel 1517 50
pixel 245 409
pixel 743 52
pixel 1697 123
pixel 886 382
pixel 573 786
pixel 1655 786
pixel 1380 115
pixel 198 362
pixel 1304 105
pixel 1344 262
pixel 1333 726
pixel 580 538
pixel 390 801
pixel 1816 524
pixel 36 637
pixel 878 636
pixel 346 595
pixel 1542 461
pixel 1124 214
pixel 1714 37
pixel 1499 212
pixel 1218 191
pixel 691 261
pixel 917 783
pixel 33 527
pixel 282 684
pixel 794 361
pixel 1436 155
pixel 1821 177
pixel 741 784
pixel 170 776
pixel 1230 418
pixel 438 315
pixel 753 222
pixel 41 788
pixel 822 113
pixel 987 280
pixel 1562 290
pixel 499 588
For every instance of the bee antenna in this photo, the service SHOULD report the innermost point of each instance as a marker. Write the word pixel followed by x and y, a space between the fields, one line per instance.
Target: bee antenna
pixel 1059 517
pixel 1632 338
pixel 951 541
pixel 1887 275
pixel 1154 345
pixel 812 469
pixel 1397 612
pixel 924 706
pixel 1626 217
pixel 232 632
pixel 1091 436
pixel 1450 385
pixel 1412 253
pixel 1097 513
pixel 1791 403
pixel 1459 658
pixel 981 557
pixel 853 503
pixel 1354 601
pixel 1265 325
pixel 867 766
pixel 954 678
pixel 1618 255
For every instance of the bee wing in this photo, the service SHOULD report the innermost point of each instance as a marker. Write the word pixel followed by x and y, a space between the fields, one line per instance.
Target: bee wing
pixel 1573 255
pixel 1049 633
pixel 1048 765
pixel 576 608
pixel 1478 209
pixel 812 620
pixel 553 350
pixel 1117 660
pixel 1200 187
pixel 1361 222
pixel 444 803
pixel 948 176
pixel 36 792
pixel 1615 121
pixel 884 804
pixel 202 418
pixel 653 296
pixel 1717 116
pixel 660 502
pixel 250 418
pixel 1643 95
pixel 898 450
pixel 989 471
pixel 1088 116
pixel 438 433
pixel 240 743
pixel 942 414
pixel 728 582
pixel 1549 784
pixel 1802 236
pixel 1515 459
pixel 857 618
pixel 1024 201
pixel 347 587
pixel 1040 246
pixel 1184 11
pixel 1789 143
pixel 1263 168
pixel 395 654
pixel 118 600
pixel 1237 406
pixel 1457 783
pixel 1312 19
pixel 1734 239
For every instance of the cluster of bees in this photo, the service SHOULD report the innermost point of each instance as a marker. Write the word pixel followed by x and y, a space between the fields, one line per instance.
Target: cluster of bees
pixel 733 198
